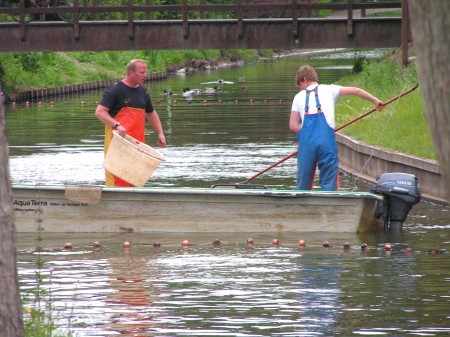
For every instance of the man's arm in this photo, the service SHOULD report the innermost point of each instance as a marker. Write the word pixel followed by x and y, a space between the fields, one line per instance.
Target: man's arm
pixel 154 120
pixel 295 122
pixel 354 91
pixel 102 113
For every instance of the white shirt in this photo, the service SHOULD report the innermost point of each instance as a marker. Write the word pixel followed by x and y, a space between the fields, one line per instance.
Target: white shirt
pixel 328 94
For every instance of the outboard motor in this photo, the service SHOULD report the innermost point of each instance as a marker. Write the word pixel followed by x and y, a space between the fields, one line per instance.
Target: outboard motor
pixel 401 192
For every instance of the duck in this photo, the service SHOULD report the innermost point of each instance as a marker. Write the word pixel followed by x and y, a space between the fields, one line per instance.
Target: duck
pixel 219 81
pixel 208 90
pixel 167 93
pixel 189 92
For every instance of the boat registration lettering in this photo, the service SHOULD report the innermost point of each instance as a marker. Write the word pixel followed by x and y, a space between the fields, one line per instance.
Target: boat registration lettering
pixel 30 203
pixel 38 203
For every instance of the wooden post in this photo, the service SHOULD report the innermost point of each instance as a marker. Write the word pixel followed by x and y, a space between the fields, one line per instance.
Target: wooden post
pixel 350 17
pixel 185 19
pixel 239 16
pixel 294 19
pixel 405 32
pixel 130 14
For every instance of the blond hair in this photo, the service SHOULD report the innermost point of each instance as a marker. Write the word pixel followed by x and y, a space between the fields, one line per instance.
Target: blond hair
pixel 131 66
pixel 307 73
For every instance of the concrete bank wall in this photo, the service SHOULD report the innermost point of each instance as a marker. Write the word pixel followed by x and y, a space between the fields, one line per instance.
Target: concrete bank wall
pixel 33 95
pixel 369 162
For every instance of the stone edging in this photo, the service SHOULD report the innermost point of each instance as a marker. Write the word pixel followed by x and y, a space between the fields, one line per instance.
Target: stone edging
pixel 369 162
pixel 71 88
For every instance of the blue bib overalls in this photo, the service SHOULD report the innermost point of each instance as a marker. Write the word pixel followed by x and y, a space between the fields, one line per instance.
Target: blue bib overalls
pixel 316 146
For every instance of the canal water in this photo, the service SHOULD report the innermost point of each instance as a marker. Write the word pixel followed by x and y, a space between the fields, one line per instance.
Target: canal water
pixel 159 288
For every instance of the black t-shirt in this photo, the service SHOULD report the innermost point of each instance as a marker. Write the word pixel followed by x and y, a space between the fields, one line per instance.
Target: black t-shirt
pixel 120 95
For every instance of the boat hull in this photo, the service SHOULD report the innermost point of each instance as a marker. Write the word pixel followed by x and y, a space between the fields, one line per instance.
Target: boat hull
pixel 143 209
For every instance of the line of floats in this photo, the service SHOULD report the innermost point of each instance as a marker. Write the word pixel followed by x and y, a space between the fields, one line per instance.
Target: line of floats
pixel 251 101
pixel 188 94
pixel 346 246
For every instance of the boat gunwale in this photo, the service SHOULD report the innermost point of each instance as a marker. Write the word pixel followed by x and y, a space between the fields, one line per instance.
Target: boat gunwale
pixel 206 191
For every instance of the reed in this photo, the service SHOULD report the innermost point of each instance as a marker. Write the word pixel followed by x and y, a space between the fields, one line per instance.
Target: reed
pixel 37 302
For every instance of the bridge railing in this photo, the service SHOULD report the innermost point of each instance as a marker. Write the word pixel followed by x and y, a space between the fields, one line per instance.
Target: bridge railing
pixel 82 10
pixel 19 20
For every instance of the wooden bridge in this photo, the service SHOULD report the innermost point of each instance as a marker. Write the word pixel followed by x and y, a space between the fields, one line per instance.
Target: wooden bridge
pixel 139 25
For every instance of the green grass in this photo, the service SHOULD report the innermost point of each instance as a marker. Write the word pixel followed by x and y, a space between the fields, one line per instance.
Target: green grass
pixel 401 125
pixel 26 71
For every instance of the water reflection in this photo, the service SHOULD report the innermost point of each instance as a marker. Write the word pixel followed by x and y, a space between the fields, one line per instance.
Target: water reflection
pixel 130 296
pixel 237 289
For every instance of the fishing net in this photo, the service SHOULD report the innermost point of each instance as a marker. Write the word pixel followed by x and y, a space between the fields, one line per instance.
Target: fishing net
pixel 85 194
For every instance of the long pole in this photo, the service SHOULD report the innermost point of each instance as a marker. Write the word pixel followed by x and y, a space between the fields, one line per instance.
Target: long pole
pixel 338 129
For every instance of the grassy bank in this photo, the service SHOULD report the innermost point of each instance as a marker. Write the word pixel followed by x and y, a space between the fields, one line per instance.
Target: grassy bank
pixel 401 125
pixel 26 71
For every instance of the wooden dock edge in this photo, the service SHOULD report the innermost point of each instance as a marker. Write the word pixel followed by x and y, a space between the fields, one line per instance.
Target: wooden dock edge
pixel 369 162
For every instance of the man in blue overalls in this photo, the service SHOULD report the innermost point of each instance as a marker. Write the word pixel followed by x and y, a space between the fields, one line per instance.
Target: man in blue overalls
pixel 312 119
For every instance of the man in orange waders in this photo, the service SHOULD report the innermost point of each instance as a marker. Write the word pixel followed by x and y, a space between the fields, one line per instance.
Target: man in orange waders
pixel 312 119
pixel 124 107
